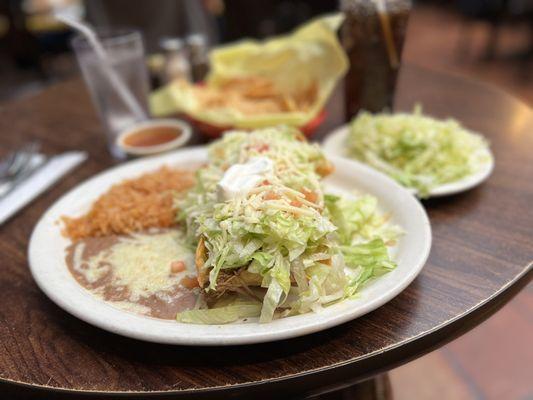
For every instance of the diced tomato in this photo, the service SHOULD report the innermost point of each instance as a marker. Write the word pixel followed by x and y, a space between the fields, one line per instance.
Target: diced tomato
pixel 310 196
pixel 325 168
pixel 296 203
pixel 189 282
pixel 272 196
pixel 177 266
pixel 262 148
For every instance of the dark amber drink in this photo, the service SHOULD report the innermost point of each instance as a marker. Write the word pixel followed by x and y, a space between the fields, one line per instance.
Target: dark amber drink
pixel 372 35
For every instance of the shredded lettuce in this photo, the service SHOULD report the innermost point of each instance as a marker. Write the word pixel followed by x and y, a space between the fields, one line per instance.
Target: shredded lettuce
pixel 418 151
pixel 220 315
pixel 305 249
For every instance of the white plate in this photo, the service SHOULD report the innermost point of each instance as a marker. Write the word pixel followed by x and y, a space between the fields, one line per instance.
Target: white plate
pixel 47 261
pixel 335 144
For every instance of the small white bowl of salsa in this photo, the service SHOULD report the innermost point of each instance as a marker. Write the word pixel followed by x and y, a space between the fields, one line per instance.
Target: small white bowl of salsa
pixel 154 136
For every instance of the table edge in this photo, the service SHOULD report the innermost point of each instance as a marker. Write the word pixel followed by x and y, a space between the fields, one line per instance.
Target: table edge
pixel 434 337
pixel 388 356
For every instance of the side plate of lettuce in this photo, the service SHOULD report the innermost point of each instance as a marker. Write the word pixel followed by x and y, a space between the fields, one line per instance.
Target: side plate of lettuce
pixel 429 156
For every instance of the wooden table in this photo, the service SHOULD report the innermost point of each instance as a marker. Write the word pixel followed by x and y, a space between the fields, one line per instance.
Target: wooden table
pixel 482 255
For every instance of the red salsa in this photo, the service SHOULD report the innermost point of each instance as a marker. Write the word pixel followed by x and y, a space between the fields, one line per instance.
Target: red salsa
pixel 152 136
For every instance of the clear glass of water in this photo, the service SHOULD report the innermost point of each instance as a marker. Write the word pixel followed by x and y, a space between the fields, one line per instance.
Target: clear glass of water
pixel 126 56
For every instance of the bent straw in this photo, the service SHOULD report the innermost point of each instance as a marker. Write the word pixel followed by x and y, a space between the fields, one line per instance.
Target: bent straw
pixel 387 33
pixel 118 84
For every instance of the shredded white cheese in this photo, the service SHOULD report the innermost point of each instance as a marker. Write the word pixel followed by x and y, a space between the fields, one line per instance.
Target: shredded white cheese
pixel 142 263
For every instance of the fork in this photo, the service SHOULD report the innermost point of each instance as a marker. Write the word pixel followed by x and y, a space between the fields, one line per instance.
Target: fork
pixel 17 159
pixel 18 166
pixel 6 163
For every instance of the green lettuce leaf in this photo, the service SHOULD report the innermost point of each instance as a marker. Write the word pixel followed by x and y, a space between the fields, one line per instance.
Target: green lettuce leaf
pixel 220 315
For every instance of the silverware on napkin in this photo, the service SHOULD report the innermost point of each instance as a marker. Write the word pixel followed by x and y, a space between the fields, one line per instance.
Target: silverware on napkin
pixel 39 173
pixel 18 165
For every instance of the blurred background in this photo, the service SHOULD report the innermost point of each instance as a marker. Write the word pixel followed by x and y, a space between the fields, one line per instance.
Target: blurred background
pixel 489 40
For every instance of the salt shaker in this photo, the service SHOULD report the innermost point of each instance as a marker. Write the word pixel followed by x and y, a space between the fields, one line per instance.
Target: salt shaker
pixel 198 56
pixel 176 61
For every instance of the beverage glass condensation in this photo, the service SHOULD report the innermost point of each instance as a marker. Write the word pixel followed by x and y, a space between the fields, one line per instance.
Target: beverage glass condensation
pixel 372 35
pixel 125 53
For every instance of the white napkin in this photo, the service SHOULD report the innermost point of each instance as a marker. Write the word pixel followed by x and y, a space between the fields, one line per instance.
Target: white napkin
pixel 53 169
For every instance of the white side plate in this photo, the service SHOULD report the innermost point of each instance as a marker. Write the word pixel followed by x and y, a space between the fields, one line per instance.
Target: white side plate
pixel 334 144
pixel 47 261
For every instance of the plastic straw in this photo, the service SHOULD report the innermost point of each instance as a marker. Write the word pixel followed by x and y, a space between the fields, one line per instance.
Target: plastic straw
pixel 118 84
pixel 387 33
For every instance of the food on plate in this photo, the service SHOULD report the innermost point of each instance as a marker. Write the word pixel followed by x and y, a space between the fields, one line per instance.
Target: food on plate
pixel 416 150
pixel 132 206
pixel 254 233
pixel 128 249
pixel 252 84
pixel 270 241
pixel 149 273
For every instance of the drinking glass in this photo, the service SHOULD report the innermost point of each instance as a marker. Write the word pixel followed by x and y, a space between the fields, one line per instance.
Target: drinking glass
pixel 372 35
pixel 125 51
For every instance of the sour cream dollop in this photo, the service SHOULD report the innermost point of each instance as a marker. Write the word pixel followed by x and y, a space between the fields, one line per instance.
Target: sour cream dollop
pixel 239 179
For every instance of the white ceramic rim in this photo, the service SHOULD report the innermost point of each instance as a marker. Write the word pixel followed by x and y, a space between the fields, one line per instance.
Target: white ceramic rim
pixel 46 258
pixel 334 144
pixel 182 139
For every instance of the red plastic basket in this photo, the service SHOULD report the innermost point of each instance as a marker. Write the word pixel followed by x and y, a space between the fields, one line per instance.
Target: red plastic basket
pixel 217 131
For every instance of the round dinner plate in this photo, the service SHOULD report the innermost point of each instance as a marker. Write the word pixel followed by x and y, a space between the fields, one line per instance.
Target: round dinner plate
pixel 335 144
pixel 47 260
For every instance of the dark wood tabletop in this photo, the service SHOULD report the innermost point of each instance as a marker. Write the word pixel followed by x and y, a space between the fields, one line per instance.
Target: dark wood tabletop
pixel 481 256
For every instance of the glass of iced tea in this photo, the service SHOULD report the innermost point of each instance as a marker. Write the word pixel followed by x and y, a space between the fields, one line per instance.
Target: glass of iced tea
pixel 372 35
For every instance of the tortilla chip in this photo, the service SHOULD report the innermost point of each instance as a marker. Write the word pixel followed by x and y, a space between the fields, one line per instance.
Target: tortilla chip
pixel 253 84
